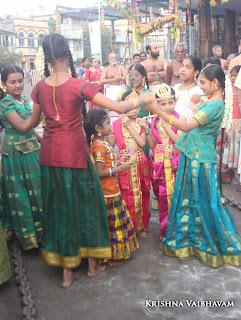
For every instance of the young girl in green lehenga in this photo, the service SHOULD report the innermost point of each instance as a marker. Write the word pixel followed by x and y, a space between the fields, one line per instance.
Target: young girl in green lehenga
pixel 21 208
pixel 198 224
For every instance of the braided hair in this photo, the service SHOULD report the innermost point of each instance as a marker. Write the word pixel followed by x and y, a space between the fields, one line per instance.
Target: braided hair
pixel 94 117
pixel 140 68
pixel 55 47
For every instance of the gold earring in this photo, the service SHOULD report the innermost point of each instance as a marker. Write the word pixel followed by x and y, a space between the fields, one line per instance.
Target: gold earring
pixel 99 134
pixel 215 87
pixel 143 82
pixel 195 79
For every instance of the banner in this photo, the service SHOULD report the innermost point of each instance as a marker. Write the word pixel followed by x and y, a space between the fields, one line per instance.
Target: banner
pixel 94 30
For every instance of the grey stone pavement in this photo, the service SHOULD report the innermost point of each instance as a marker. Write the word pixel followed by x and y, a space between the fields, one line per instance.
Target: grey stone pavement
pixel 121 293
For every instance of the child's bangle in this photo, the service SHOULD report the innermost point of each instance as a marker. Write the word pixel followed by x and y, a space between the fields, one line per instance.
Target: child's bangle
pixel 147 134
pixel 171 120
pixel 111 172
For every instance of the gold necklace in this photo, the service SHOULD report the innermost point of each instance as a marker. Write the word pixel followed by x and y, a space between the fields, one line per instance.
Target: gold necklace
pixel 127 135
pixel 184 90
pixel 187 87
pixel 214 98
pixel 109 149
pixel 163 131
pixel 20 102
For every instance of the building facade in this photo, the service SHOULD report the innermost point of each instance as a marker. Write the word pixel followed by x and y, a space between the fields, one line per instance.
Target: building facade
pixel 29 35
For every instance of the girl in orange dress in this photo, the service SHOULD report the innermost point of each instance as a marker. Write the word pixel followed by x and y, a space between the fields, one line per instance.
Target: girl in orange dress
pixel 122 233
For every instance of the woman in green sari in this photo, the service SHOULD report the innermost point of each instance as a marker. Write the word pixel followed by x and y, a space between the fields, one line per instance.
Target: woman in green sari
pixel 21 208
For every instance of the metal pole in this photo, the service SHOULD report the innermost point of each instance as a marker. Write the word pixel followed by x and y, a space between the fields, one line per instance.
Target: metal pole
pixel 100 32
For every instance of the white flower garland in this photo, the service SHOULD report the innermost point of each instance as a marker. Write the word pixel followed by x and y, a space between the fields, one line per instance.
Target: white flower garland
pixel 1 86
pixel 40 61
pixel 228 113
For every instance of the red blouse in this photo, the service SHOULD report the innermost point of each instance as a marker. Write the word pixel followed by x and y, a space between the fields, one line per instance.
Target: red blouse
pixel 64 143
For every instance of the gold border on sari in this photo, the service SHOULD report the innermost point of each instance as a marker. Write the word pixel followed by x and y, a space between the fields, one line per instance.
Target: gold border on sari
pixel 210 260
pixel 69 262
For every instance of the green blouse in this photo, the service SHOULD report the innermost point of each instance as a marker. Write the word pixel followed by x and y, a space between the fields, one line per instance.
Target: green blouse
pixel 24 142
pixel 201 141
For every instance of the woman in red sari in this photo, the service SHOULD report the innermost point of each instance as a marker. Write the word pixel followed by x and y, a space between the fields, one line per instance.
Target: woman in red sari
pixel 93 76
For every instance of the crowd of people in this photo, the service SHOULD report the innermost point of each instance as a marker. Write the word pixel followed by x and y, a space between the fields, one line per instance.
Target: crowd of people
pixel 177 127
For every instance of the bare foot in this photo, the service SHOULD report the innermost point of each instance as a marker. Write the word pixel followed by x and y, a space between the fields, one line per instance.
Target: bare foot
pixel 238 188
pixel 68 277
pixel 142 234
pixel 114 263
pixel 233 182
pixel 98 269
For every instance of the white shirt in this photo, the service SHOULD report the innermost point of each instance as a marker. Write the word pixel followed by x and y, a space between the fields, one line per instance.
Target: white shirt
pixel 183 104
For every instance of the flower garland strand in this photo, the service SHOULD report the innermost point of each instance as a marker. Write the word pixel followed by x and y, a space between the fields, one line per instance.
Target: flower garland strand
pixel 228 113
pixel 40 61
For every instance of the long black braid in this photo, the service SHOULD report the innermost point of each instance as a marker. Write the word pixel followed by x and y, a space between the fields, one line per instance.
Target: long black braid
pixel 46 68
pixel 146 81
pixel 56 46
pixel 71 63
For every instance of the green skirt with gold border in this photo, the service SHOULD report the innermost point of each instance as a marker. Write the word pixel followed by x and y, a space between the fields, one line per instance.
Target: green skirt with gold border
pixel 198 224
pixel 75 222
pixel 21 204
pixel 5 269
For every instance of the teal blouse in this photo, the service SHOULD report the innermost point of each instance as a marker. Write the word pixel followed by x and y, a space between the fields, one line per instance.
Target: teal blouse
pixel 201 141
pixel 23 142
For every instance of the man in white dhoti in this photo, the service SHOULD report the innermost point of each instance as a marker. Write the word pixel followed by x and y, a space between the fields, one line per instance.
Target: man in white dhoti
pixel 112 78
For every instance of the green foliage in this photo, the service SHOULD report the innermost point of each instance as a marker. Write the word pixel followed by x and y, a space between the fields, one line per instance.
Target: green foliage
pixel 108 44
pixel 173 32
pixel 8 56
pixel 140 38
pixel 78 62
pixel 52 25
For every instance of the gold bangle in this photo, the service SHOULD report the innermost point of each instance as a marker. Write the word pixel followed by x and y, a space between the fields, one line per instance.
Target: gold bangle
pixel 135 103
pixel 171 120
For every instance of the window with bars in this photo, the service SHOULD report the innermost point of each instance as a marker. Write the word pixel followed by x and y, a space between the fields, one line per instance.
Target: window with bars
pixel 31 40
pixel 21 39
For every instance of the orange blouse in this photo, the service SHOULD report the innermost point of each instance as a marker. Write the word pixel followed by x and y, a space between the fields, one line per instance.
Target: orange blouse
pixel 103 152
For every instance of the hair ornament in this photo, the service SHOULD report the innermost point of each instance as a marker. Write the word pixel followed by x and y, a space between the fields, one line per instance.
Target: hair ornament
pixel 40 61
pixel 164 91
pixel 228 100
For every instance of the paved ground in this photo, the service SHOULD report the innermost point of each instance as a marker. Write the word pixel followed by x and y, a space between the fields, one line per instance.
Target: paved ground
pixel 120 293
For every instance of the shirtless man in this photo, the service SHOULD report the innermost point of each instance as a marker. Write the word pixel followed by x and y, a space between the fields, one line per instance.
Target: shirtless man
pixel 217 53
pixel 114 74
pixel 113 77
pixel 155 67
pixel 237 60
pixel 173 75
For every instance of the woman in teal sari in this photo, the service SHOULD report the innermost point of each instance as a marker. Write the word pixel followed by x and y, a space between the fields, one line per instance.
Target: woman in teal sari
pixel 198 224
